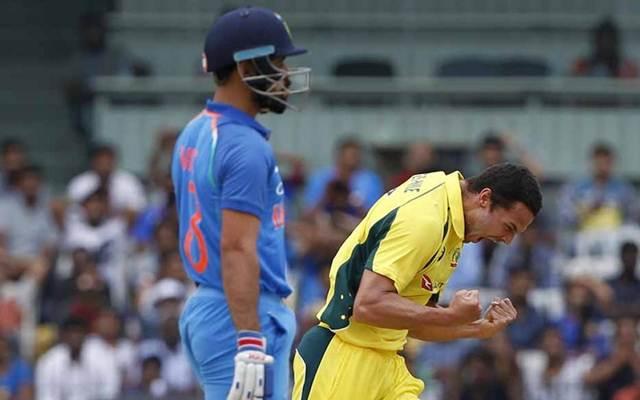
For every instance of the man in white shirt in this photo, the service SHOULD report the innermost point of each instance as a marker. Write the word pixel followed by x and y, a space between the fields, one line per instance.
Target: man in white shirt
pixel 69 372
pixel 126 194
pixel 13 156
pixel 104 237
pixel 176 370
pixel 552 374
pixel 26 224
pixel 108 344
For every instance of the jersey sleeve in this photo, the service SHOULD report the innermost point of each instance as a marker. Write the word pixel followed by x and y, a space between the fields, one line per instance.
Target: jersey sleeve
pixel 406 248
pixel 244 175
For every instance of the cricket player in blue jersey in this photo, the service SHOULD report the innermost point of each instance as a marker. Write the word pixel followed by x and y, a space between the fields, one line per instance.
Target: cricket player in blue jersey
pixel 235 328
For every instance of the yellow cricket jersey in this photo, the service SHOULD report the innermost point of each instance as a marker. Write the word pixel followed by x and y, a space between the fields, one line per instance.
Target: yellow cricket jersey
pixel 412 235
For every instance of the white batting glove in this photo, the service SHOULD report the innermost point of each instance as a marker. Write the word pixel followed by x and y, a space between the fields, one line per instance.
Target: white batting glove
pixel 249 373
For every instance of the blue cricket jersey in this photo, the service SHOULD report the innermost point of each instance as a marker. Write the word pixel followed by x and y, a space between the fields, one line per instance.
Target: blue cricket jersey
pixel 223 160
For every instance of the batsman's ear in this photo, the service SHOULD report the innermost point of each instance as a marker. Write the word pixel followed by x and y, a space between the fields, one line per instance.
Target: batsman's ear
pixel 246 68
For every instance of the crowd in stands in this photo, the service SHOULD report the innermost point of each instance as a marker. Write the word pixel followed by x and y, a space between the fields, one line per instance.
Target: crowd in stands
pixel 92 285
pixel 92 282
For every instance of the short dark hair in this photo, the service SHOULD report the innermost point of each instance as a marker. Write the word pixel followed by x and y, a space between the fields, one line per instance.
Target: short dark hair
pixel 606 26
pixel 222 75
pixel 74 323
pixel 518 271
pixel 11 144
pixel 602 149
pixel 491 139
pixel 628 246
pixel 509 183
pixel 101 149
pixel 346 142
pixel 29 170
pixel 152 360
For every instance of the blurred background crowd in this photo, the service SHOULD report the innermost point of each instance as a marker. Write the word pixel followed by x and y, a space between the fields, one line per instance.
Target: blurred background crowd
pixel 91 282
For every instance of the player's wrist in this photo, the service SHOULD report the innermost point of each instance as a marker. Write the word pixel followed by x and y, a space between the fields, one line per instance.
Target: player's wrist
pixel 482 329
pixel 441 316
pixel 251 340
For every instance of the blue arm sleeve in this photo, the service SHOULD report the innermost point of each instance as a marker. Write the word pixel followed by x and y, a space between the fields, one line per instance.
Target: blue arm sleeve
pixel 244 175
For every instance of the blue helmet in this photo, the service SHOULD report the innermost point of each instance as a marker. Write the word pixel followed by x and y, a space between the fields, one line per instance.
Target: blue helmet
pixel 246 33
pixel 257 35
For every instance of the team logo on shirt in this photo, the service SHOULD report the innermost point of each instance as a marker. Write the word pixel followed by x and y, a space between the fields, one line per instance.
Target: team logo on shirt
pixel 454 259
pixel 426 283
pixel 278 216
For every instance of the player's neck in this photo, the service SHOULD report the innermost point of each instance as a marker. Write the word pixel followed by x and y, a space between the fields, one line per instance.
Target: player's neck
pixel 237 99
pixel 467 206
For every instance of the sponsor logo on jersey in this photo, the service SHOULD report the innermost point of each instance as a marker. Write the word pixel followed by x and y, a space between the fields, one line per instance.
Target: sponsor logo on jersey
pixel 426 283
pixel 454 259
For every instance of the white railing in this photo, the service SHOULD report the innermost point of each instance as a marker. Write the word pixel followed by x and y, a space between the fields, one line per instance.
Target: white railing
pixel 559 137
pixel 577 88
pixel 406 14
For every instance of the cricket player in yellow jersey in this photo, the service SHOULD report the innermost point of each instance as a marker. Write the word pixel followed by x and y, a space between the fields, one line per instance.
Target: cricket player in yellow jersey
pixel 388 274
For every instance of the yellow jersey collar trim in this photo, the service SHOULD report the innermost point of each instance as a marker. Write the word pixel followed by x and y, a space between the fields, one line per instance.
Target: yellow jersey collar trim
pixel 454 193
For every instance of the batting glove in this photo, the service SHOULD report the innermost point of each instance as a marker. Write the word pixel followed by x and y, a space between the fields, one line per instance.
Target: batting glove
pixel 250 361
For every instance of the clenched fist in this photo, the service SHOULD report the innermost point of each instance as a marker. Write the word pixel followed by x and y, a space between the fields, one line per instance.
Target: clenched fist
pixel 465 307
pixel 500 314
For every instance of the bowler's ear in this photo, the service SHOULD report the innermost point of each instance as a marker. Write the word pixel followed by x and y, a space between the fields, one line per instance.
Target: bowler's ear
pixel 484 197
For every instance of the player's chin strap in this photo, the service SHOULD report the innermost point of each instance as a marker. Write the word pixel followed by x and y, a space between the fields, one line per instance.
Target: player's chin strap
pixel 272 85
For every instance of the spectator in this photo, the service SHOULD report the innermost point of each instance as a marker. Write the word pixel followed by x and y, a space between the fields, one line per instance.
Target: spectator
pixel 151 384
pixel 68 371
pixel 176 370
pixel 365 186
pixel 498 147
pixel 554 374
pixel 506 365
pixel 607 58
pixel 479 377
pixel 312 293
pixel 625 288
pixel 26 224
pixel 619 368
pixel 533 250
pixel 107 343
pixel 600 201
pixel 585 297
pixel 438 365
pixel 20 282
pixel 16 376
pixel 12 159
pixel 147 260
pixel 126 194
pixel 525 331
pixel 161 209
pixel 419 158
pixel 95 57
pixel 104 237
pixel 163 300
pixel 318 235
pixel 293 171
pixel 83 293
pixel 161 158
